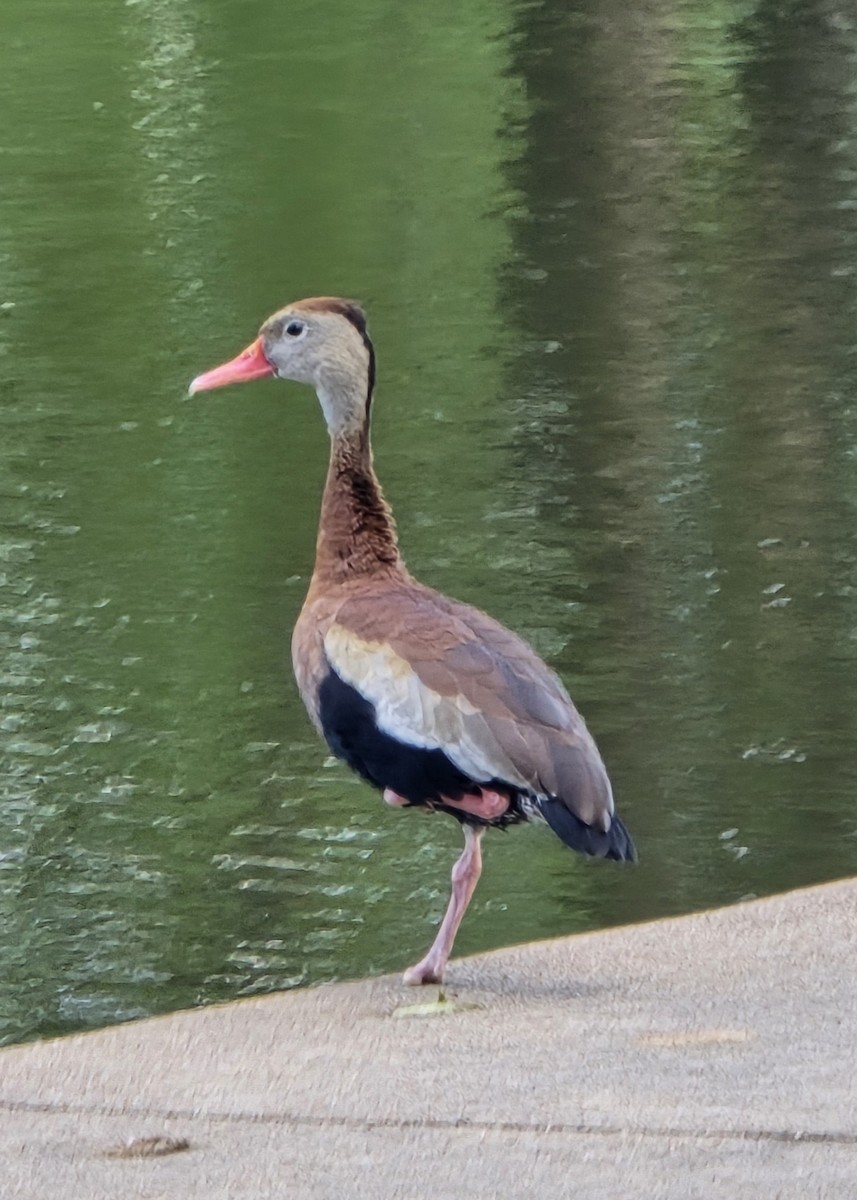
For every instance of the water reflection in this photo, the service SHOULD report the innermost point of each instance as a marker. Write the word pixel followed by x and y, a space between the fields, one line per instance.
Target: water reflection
pixel 696 314
pixel 608 254
pixel 174 185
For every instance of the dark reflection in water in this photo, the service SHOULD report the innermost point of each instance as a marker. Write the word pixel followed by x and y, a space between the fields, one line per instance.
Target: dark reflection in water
pixel 686 258
pixel 609 256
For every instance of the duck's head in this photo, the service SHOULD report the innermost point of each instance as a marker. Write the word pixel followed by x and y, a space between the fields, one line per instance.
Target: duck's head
pixel 322 342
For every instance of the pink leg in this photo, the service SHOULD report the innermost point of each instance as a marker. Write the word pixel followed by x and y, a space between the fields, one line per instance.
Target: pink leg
pixel 482 803
pixel 465 876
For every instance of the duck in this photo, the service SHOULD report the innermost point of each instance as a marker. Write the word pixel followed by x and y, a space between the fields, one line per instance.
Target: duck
pixel 431 701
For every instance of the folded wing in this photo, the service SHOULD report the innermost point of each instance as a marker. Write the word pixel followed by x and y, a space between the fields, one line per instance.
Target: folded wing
pixel 445 676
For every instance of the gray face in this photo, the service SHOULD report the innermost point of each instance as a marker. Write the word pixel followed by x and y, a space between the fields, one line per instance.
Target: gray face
pixel 287 340
pixel 325 350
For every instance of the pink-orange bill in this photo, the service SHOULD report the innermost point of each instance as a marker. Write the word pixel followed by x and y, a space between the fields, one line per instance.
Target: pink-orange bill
pixel 249 364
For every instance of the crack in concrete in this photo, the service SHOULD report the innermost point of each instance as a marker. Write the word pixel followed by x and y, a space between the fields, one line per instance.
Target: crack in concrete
pixel 789 1136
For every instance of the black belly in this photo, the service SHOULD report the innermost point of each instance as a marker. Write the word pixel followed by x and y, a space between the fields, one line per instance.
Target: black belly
pixel 351 732
pixel 426 776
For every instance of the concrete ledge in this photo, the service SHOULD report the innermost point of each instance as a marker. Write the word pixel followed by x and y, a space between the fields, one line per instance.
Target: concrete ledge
pixel 711 1055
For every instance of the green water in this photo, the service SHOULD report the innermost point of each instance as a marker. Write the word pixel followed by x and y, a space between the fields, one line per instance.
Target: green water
pixel 609 260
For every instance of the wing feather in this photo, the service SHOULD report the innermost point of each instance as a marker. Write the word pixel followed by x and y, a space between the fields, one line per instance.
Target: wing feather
pixel 443 675
pixel 406 708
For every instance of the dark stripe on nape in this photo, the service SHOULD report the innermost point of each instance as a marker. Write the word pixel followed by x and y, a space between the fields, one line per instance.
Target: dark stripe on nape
pixel 354 313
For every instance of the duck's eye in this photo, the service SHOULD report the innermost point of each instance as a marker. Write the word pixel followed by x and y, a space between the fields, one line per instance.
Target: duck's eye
pixel 295 328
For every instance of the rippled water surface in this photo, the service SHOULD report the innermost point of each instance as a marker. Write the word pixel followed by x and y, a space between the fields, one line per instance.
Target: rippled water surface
pixel 609 257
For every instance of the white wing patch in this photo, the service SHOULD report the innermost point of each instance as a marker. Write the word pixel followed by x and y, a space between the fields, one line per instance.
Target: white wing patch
pixel 411 712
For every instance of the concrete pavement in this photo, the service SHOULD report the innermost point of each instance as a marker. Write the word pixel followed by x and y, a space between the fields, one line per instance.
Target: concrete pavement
pixel 708 1056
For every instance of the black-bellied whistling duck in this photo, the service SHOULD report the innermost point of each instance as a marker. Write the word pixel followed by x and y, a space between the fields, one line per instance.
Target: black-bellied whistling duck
pixel 431 701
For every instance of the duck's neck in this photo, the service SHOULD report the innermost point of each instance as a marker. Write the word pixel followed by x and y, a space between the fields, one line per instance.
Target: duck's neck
pixel 356 532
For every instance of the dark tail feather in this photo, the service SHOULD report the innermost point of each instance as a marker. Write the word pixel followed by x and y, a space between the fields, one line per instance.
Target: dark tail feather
pixel 615 844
